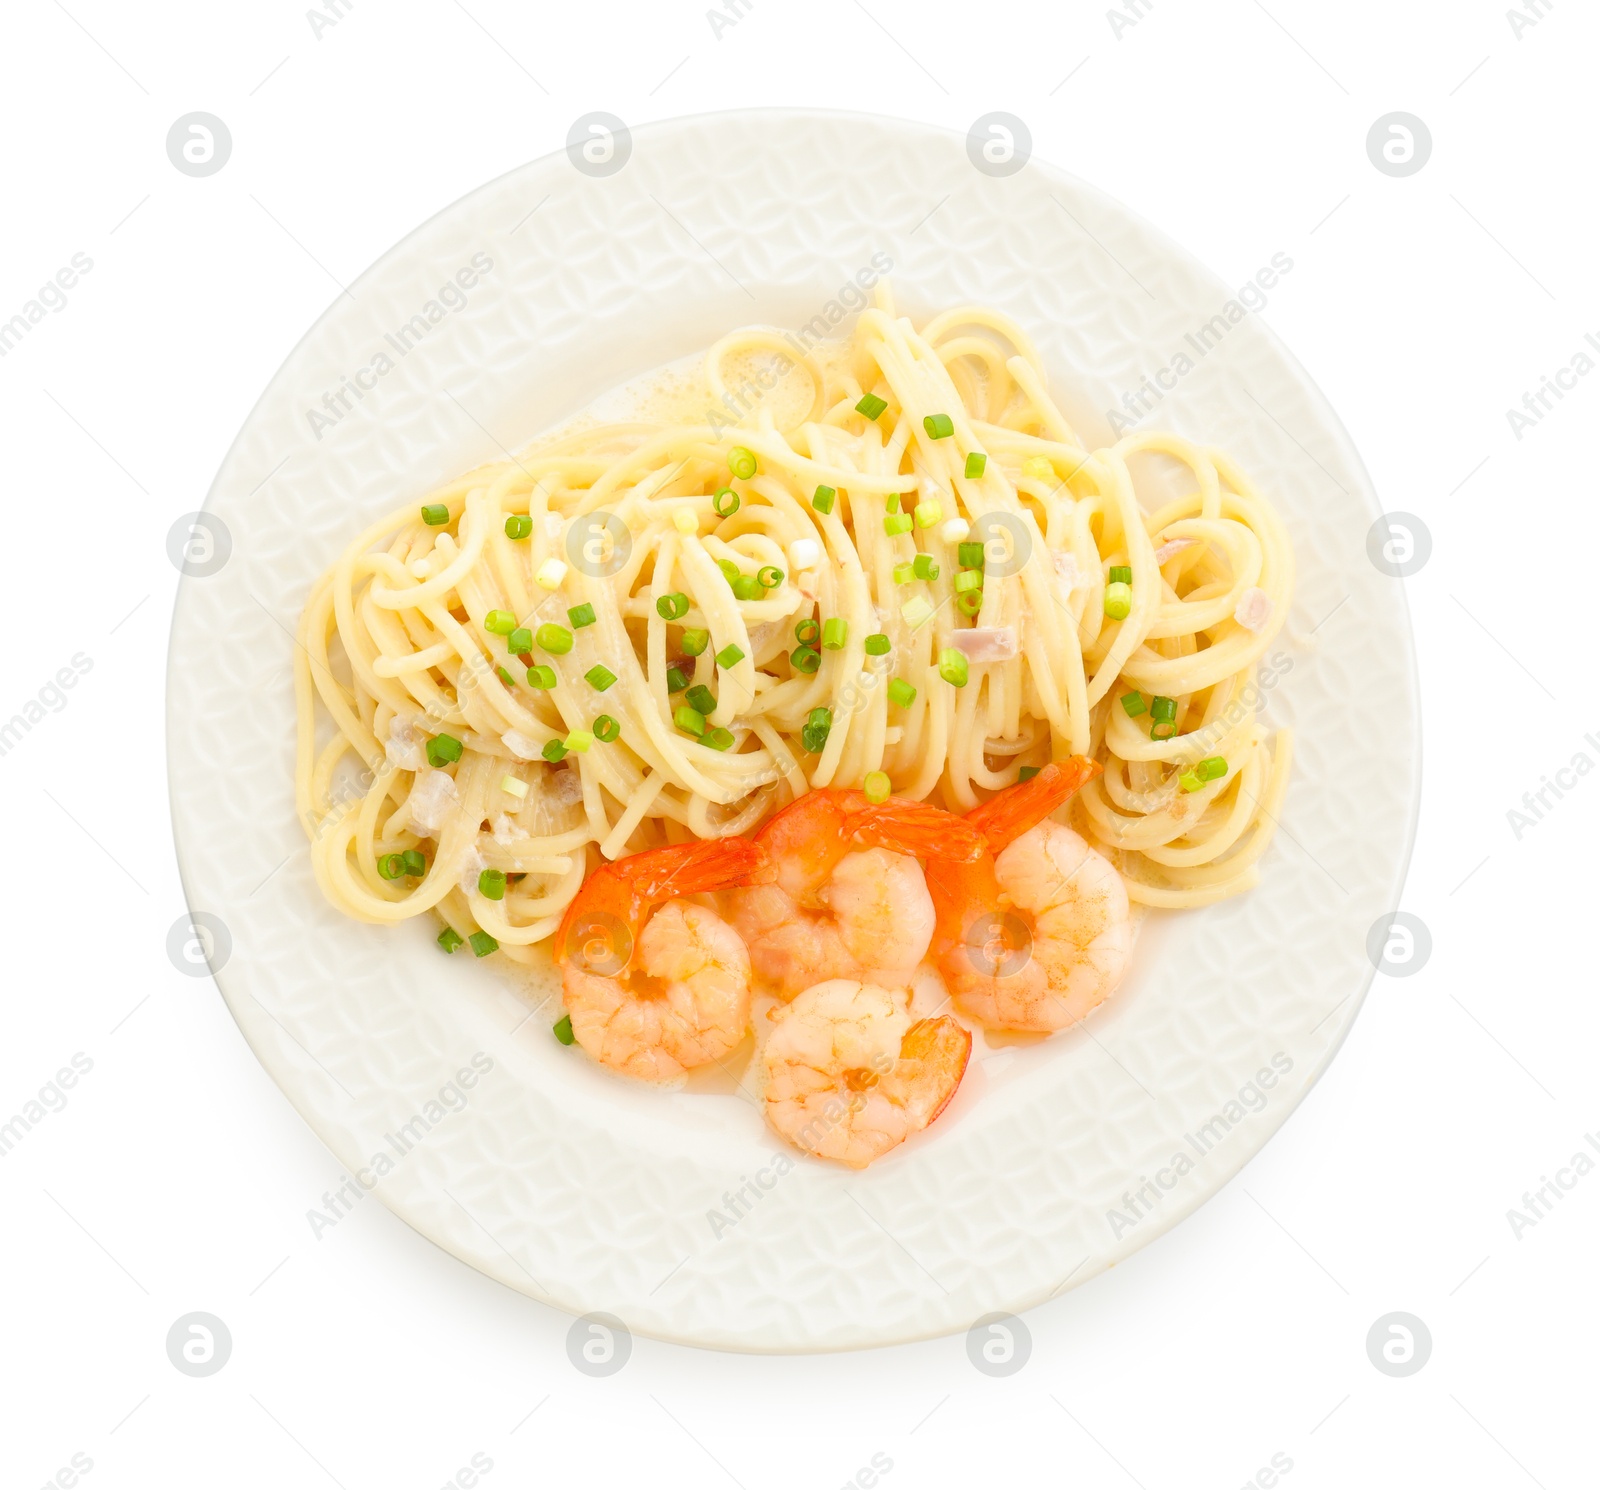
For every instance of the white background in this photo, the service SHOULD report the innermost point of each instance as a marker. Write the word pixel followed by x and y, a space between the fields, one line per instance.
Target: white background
pixel 177 1178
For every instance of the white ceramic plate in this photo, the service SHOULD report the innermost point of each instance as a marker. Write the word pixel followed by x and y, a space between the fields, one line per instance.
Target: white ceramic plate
pixel 576 1188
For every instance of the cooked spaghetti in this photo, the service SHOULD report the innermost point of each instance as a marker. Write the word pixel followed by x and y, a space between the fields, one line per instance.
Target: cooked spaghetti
pixel 907 574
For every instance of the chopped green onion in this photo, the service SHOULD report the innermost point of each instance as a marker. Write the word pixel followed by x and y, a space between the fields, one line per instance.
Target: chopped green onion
pixel 483 944
pixel 492 884
pixel 1211 768
pixel 519 525
pixel 876 787
pixel 505 677
pixel 541 675
pixel 391 866
pixel 726 502
pixel 928 512
pixel 690 721
pixel 701 699
pixel 1190 781
pixel 562 1030
pixel 976 461
pixel 1163 729
pixel 746 587
pixel 718 738
pixel 916 612
pixel 822 499
pixel 898 524
pixel 600 677
pixel 1039 468
pixel 413 863
pixel 519 641
pixel 970 555
pixel 1119 601
pixel 606 729
pixel 554 751
pixel 877 644
pixel 742 462
pixel 730 570
pixel 676 680
pixel 804 660
pixel 835 632
pixel 1163 710
pixel 1027 773
pixel 449 939
pixel 770 576
pixel 969 579
pixel 814 733
pixel 871 405
pixel 729 655
pixel 442 749
pixel 500 622
pixel 924 568
pixel 938 426
pixel 694 641
pixel 970 603
pixel 905 573
pixel 953 667
pixel 1121 574
pixel 436 514
pixel 807 631
pixel 673 607
pixel 891 503
pixel 901 693
pixel 579 740
pixel 553 638
pixel 581 615
pixel 1133 704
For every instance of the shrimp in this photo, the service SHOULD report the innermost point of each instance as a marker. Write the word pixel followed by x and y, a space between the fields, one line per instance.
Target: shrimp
pixel 1036 933
pixel 839 910
pixel 656 984
pixel 849 1074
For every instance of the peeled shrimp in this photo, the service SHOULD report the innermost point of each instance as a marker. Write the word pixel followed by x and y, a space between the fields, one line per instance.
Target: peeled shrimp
pixel 1036 933
pixel 849 1074
pixel 655 984
pixel 849 899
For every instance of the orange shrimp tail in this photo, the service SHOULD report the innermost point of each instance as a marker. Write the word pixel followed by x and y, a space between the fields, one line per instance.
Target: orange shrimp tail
pixel 917 828
pixel 620 894
pixel 816 831
pixel 941 1047
pixel 1009 814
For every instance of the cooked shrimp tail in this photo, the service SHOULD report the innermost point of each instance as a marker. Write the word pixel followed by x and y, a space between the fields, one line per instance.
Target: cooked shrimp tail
pixel 1010 813
pixel 628 888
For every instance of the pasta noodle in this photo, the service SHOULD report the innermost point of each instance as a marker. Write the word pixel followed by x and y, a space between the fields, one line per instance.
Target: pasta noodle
pixel 642 632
